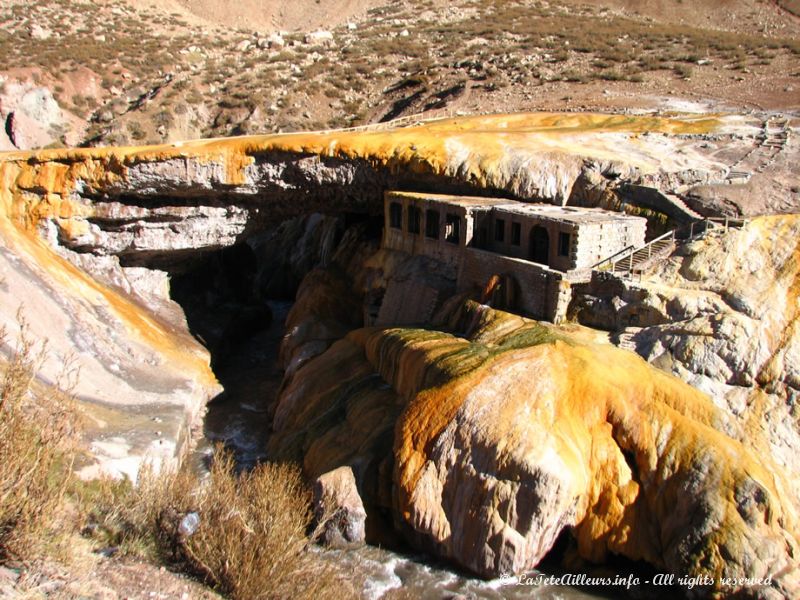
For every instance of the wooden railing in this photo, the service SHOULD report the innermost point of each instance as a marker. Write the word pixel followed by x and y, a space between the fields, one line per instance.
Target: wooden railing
pixel 627 259
pixel 631 256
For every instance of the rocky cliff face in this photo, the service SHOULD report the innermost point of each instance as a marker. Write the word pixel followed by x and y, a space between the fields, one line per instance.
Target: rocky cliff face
pixel 142 380
pixel 485 437
pixel 482 436
pixel 721 314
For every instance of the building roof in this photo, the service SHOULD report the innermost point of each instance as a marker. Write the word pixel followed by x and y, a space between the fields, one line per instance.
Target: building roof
pixel 549 212
pixel 570 214
pixel 465 201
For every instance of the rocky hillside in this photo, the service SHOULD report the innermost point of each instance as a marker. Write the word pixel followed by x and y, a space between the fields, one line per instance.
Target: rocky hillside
pixel 98 72
pixel 721 313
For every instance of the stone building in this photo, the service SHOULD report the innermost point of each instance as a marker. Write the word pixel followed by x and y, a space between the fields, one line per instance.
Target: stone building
pixel 542 248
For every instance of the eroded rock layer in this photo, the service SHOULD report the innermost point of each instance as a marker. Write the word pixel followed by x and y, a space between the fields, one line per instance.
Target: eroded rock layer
pixel 161 201
pixel 721 313
pixel 511 431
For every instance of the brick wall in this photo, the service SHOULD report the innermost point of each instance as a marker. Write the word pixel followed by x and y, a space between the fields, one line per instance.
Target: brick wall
pixel 541 293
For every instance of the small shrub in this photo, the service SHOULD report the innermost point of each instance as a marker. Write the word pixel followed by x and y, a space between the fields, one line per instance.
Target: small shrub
pixel 35 454
pixel 683 71
pixel 611 75
pixel 252 540
pixel 136 130
pixel 574 77
pixel 164 118
pixel 194 97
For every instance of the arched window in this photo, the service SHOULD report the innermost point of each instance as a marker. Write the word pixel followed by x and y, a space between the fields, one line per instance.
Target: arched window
pixel 452 228
pixel 564 240
pixel 432 224
pixel 414 219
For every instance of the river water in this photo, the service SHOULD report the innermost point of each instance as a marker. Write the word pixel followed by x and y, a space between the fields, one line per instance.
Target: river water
pixel 239 419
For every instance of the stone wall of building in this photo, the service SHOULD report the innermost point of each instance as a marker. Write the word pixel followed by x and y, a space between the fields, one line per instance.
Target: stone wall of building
pixel 441 245
pixel 573 241
pixel 407 303
pixel 522 246
pixel 448 253
pixel 598 241
pixel 544 249
pixel 540 292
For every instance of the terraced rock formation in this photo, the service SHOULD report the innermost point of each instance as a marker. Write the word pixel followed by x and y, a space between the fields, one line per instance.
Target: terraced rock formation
pixel 484 444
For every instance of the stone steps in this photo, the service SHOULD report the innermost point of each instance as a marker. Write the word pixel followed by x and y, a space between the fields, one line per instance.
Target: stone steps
pixel 773 140
pixel 638 260
pixel 625 339
pixel 680 204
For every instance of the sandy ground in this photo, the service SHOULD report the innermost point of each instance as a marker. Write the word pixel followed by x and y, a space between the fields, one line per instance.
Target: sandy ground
pixel 263 15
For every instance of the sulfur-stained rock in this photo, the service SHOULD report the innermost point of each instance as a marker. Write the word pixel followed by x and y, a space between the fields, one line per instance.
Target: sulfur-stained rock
pixel 518 431
pixel 484 440
pixel 141 380
pixel 338 509
pixel 491 466
pixel 730 304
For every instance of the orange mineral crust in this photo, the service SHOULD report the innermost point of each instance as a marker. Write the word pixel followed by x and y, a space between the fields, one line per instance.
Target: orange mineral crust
pixel 483 149
pixel 22 211
pixel 491 464
pixel 513 431
pixel 45 185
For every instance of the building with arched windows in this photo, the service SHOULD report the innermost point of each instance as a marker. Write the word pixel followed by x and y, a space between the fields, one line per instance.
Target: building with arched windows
pixel 542 248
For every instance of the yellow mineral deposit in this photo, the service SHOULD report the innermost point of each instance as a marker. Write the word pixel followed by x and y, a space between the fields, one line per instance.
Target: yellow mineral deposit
pixel 41 184
pixel 590 405
pixel 21 212
pixel 620 428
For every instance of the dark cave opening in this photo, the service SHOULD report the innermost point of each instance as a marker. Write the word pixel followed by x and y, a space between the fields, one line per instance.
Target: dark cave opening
pixel 217 295
pixel 236 300
pixel 241 332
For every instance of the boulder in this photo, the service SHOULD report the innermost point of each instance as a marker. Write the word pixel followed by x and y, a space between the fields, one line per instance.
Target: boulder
pixel 26 133
pixel 37 32
pixel 319 37
pixel 39 104
pixel 338 509
pixel 274 40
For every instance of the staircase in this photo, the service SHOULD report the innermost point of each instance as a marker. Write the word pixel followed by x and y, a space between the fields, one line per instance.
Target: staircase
pixel 632 260
pixel 626 338
pixel 678 202
pixel 773 140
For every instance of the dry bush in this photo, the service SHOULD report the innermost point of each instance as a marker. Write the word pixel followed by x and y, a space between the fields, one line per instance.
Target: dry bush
pixel 35 454
pixel 125 517
pixel 252 540
pixel 253 536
